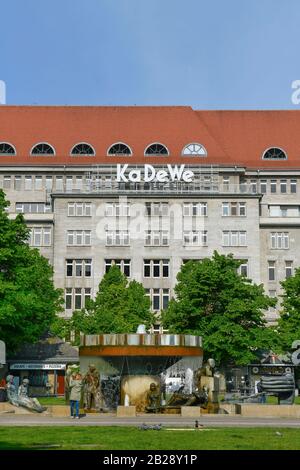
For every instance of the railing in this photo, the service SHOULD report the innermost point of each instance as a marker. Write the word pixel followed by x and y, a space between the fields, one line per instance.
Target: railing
pixel 160 188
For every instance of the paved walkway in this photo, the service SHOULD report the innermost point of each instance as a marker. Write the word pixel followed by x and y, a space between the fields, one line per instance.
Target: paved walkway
pixel 166 421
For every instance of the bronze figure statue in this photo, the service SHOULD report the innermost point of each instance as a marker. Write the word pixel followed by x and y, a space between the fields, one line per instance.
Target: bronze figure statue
pixel 92 393
pixel 153 399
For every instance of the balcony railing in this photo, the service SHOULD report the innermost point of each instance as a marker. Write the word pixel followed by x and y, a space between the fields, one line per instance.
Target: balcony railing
pixel 179 188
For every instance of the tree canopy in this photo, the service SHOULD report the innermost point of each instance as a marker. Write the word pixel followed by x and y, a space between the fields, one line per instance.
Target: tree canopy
pixel 28 300
pixel 225 308
pixel 289 322
pixel 119 307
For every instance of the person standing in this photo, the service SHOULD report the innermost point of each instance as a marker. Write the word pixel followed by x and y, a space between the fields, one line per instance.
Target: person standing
pixel 75 394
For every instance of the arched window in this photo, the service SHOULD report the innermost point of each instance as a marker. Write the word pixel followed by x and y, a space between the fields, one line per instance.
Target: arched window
pixel 274 153
pixel 7 149
pixel 42 149
pixel 119 149
pixel 82 149
pixel 194 149
pixel 156 149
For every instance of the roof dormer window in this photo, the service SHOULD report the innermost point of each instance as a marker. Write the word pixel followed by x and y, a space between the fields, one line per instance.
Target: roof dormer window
pixel 274 153
pixel 42 149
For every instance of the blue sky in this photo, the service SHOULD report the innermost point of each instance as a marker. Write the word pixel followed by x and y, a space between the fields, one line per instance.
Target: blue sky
pixel 209 54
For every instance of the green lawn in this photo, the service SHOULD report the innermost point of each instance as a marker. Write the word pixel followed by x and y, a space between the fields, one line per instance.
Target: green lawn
pixel 47 401
pixel 273 400
pixel 121 438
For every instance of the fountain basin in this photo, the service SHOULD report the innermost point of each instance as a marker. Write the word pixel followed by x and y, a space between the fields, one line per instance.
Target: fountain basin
pixel 128 363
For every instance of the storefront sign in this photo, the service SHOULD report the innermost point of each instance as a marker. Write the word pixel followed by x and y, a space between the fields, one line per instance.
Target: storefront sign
pixel 271 369
pixel 23 366
pixel 149 173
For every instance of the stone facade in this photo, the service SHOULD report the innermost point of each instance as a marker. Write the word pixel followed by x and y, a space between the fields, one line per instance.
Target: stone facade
pixel 240 186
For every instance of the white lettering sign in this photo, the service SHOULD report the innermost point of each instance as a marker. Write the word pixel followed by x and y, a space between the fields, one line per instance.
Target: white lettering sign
pixel 174 173
pixel 24 366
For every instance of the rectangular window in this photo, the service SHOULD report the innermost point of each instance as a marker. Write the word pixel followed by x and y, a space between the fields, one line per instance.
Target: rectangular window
pixel 156 238
pixel 69 265
pixel 78 298
pixel 234 238
pixel 79 267
pixel 32 207
pixel 275 211
pixel 87 267
pixel 226 181
pixel 156 268
pixel 288 269
pixel 165 267
pixel 79 237
pixel 71 209
pixel 37 237
pixel 79 209
pixel 47 236
pixel 68 298
pixel 243 185
pixel 6 182
pixel 87 295
pixel 40 236
pixel 78 183
pixel 226 238
pixel 283 186
pixel 271 269
pixel 279 240
pixel 165 298
pixel 59 183
pixel 49 183
pixel 195 209
pixel 242 238
pixel 159 298
pixel 263 186
pixel 38 184
pixel 147 268
pixel 225 209
pixel 69 183
pixel 156 299
pixel 234 209
pixel 158 209
pixel 117 238
pixel 195 238
pixel 253 186
pixel 273 186
pixel 28 183
pixel 293 186
pixel 87 237
pixel 114 209
pixel 242 209
pixel 123 264
pixel 17 183
pixel 243 270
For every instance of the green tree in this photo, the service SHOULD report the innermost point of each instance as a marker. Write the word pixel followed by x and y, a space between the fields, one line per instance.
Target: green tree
pixel 28 300
pixel 289 322
pixel 225 308
pixel 119 307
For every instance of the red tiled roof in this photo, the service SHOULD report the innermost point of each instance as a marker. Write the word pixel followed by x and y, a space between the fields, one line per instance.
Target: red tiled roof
pixel 230 137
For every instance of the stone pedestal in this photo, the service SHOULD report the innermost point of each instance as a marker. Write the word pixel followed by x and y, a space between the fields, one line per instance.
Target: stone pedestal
pixel 212 386
pixel 190 411
pixel 126 411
